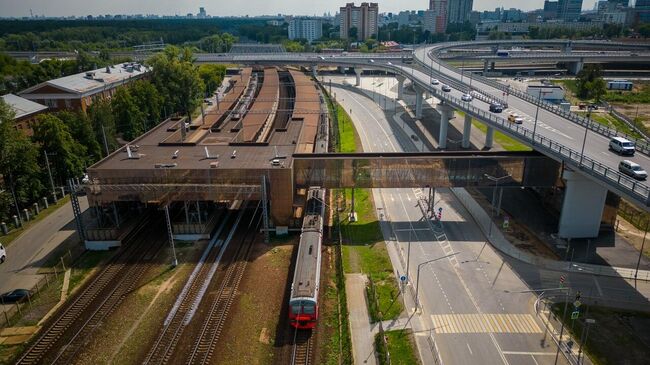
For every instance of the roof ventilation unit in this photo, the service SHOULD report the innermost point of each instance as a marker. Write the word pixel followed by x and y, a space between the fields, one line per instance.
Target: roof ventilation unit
pixel 130 154
pixel 234 154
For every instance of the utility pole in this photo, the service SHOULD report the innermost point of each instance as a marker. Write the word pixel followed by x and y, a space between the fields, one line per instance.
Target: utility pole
pixel 49 172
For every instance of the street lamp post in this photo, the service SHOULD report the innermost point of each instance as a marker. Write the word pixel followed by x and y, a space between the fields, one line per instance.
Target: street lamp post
pixel 584 140
pixel 638 261
pixel 539 99
pixel 494 197
pixel 417 279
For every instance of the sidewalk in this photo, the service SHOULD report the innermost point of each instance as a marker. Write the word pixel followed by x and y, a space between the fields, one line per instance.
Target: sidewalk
pixel 363 349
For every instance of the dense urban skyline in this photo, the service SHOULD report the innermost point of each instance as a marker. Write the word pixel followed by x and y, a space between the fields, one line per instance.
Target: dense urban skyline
pixel 21 8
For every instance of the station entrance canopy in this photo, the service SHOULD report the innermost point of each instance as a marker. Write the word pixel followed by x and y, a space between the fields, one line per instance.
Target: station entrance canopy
pixel 438 169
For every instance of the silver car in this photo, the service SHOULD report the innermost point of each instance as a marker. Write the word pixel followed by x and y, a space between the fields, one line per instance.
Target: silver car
pixel 446 88
pixel 632 169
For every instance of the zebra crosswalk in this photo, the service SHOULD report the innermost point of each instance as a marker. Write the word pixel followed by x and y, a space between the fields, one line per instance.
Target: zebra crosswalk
pixel 485 323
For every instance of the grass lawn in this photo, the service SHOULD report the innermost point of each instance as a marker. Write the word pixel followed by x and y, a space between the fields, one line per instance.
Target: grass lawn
pixel 617 337
pixel 611 121
pixel 508 143
pixel 401 348
pixel 347 133
pixel 13 234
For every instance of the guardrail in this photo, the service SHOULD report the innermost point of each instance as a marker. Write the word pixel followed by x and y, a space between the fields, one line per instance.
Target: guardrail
pixel 641 145
pixel 458 85
pixel 626 185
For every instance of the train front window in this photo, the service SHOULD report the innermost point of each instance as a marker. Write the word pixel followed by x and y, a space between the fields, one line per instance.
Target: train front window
pixel 308 308
pixel 295 308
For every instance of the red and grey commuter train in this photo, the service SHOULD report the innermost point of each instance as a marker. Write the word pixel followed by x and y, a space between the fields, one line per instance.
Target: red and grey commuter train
pixel 303 303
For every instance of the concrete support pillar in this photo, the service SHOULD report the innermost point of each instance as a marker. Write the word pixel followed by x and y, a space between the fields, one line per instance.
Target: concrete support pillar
pixel 467 131
pixel 485 66
pixel 568 47
pixel 400 87
pixel 341 70
pixel 582 208
pixel 575 67
pixel 492 66
pixel 446 113
pixel 45 203
pixel 489 137
pixel 419 99
pixel 314 71
pixel 358 71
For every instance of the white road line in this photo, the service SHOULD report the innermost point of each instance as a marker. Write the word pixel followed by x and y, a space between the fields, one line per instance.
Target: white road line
pixel 600 290
pixel 470 349
pixel 528 353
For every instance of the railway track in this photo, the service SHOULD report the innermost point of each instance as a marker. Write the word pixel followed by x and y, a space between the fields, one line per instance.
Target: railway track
pixel 76 322
pixel 163 349
pixel 213 324
pixel 303 345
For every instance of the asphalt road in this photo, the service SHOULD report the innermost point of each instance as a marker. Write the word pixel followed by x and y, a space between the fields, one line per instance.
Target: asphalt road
pixel 458 285
pixel 29 251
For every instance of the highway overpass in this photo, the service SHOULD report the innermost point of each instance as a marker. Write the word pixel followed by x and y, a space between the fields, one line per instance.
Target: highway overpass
pixel 557 134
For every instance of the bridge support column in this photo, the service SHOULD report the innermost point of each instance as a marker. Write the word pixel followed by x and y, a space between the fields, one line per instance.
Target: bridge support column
pixel 400 87
pixel 419 99
pixel 567 47
pixel 358 72
pixel 582 208
pixel 467 131
pixel 492 66
pixel 341 70
pixel 575 67
pixel 314 71
pixel 486 64
pixel 489 137
pixel 446 113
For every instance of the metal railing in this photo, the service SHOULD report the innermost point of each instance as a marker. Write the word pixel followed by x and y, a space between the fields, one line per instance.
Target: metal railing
pixel 627 185
pixel 642 145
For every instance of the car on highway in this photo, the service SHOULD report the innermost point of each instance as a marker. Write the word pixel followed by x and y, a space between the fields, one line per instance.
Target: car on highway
pixel 622 146
pixel 496 108
pixel 514 118
pixel 632 169
pixel 371 60
pixel 466 97
pixel 446 88
pixel 435 81
pixel 3 254
pixel 15 296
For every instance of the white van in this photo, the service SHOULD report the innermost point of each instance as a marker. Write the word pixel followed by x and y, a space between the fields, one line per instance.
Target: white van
pixel 3 253
pixel 622 146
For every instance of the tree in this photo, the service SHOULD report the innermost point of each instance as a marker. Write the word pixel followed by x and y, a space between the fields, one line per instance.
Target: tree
pixel 129 118
pixel 177 79
pixel 590 82
pixel 103 124
pixel 82 131
pixel 212 76
pixel 18 164
pixel 66 156
pixel 353 33
pixel 149 100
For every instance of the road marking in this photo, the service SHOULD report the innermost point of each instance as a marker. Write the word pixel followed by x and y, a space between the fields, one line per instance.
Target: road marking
pixel 600 290
pixel 470 350
pixel 529 353
pixel 484 323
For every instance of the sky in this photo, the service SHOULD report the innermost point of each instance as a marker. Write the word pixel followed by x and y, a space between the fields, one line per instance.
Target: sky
pixel 21 8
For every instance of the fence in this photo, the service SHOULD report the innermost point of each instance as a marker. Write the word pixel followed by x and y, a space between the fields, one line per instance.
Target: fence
pixel 12 313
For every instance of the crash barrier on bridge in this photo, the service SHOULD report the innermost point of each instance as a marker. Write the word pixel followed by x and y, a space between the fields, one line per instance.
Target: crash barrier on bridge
pixel 633 189
pixel 458 85
pixel 630 123
pixel 641 145
pixel 501 243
